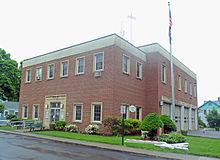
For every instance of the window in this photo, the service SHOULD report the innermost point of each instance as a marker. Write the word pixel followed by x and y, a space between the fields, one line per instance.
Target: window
pixel 50 71
pixel 138 113
pixel 78 112
pixel 6 113
pixel 36 111
pixel 28 76
pixel 190 88
pixel 99 62
pixel 195 92
pixel 179 82
pixel 126 65
pixel 97 112
pixel 11 112
pixel 80 65
pixel 185 85
pixel 139 70
pixel 25 111
pixel 64 69
pixel 163 73
pixel 38 73
pixel 205 112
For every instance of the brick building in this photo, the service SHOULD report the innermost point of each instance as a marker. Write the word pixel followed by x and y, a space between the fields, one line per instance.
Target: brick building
pixel 88 82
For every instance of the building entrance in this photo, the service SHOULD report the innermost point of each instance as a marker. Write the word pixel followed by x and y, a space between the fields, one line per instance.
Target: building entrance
pixel 54 112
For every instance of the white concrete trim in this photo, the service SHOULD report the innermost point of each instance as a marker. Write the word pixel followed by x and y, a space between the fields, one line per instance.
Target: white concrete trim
pixel 182 118
pixel 157 48
pixel 190 118
pixel 86 47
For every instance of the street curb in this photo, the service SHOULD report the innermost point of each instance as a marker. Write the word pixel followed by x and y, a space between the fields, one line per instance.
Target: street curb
pixel 157 154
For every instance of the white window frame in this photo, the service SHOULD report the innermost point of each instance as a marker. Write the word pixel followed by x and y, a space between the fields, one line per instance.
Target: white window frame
pixel 94 61
pixel 190 88
pixel 5 112
pixel 140 70
pixel 185 85
pixel 74 112
pixel 127 66
pixel 195 90
pixel 34 106
pixel 28 75
pixel 92 111
pixel 48 71
pixel 77 66
pixel 179 83
pixel 23 111
pixel 37 74
pixel 163 73
pixel 61 68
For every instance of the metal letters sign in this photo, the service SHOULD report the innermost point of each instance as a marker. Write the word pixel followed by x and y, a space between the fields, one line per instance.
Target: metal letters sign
pixel 123 109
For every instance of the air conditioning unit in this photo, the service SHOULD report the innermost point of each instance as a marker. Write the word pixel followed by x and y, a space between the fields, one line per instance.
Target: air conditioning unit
pixel 97 74
pixel 37 77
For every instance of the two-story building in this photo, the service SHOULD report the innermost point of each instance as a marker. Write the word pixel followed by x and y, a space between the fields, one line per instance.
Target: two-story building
pixel 88 82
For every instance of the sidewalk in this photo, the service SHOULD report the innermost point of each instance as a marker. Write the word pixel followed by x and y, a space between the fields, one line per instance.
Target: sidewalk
pixel 115 147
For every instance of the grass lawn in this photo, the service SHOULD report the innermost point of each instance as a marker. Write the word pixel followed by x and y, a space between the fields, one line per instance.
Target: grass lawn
pixel 197 145
pixel 7 128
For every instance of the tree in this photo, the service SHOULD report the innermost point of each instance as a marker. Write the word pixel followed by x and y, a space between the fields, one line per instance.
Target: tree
pixel 151 123
pixel 2 107
pixel 169 125
pixel 213 118
pixel 10 77
pixel 201 123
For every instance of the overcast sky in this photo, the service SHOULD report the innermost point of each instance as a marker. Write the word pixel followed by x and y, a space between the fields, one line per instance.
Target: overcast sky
pixel 30 28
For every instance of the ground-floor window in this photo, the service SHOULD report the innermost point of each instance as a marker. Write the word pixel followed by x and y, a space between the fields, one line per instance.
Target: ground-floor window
pixel 78 108
pixel 36 111
pixel 138 113
pixel 97 112
pixel 25 111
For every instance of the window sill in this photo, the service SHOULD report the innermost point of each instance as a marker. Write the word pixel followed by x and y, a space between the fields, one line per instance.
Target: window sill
pixel 64 76
pixel 28 82
pixel 97 122
pixel 139 78
pixel 77 121
pixel 163 82
pixel 50 78
pixel 126 73
pixel 78 74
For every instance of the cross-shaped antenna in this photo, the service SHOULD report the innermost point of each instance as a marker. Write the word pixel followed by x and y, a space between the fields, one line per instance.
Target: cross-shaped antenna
pixel 131 18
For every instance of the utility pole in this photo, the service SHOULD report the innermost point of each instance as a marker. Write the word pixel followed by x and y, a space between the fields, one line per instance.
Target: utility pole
pixel 131 18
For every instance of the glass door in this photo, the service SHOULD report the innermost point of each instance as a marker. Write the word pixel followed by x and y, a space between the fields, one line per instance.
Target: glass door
pixel 54 112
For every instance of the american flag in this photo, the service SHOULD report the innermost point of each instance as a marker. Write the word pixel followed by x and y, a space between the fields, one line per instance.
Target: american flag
pixel 170 22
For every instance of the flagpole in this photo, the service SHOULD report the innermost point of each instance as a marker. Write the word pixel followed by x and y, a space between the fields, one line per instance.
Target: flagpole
pixel 172 111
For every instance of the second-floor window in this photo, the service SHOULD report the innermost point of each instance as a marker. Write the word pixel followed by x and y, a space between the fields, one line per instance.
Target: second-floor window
pixel 28 75
pixel 39 73
pixel 185 85
pixel 64 69
pixel 99 62
pixel 139 70
pixel 190 88
pixel 179 82
pixel 163 73
pixel 195 92
pixel 126 64
pixel 80 65
pixel 50 73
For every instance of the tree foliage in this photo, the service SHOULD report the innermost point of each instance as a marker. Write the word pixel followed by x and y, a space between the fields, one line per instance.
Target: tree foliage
pixel 169 125
pixel 213 118
pixel 151 123
pixel 2 107
pixel 10 77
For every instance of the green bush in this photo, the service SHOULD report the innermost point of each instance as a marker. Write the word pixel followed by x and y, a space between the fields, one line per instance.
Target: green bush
pixel 169 126
pixel 151 123
pixel 114 125
pixel 171 138
pixel 60 125
pixel 217 128
pixel 16 119
pixel 10 116
pixel 183 132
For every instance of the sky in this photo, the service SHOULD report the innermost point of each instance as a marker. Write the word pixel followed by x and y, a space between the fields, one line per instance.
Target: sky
pixel 30 28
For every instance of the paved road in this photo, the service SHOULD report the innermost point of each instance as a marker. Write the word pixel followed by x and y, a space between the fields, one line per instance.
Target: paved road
pixel 19 147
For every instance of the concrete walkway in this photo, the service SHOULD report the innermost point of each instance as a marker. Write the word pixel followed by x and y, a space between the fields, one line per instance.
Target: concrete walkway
pixel 116 147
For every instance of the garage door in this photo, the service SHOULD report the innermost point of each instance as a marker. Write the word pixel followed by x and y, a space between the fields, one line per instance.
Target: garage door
pixel 193 114
pixel 178 117
pixel 166 109
pixel 186 118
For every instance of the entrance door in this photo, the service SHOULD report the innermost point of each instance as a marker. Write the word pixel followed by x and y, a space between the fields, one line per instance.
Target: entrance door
pixel 54 111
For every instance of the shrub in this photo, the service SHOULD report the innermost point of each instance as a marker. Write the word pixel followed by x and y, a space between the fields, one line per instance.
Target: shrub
pixel 184 132
pixel 114 125
pixel 92 129
pixel 171 138
pixel 217 128
pixel 169 126
pixel 60 125
pixel 16 119
pixel 10 116
pixel 151 123
pixel 71 128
